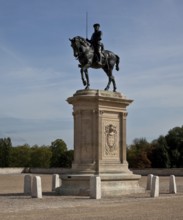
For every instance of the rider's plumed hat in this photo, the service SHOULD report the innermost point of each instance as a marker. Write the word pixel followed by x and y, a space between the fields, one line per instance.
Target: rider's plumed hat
pixel 95 25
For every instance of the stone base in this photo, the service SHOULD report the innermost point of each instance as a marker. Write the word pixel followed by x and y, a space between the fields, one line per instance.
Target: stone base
pixel 100 145
pixel 112 185
pixel 120 184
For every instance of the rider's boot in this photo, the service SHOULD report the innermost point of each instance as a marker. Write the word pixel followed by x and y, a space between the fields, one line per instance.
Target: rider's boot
pixel 99 59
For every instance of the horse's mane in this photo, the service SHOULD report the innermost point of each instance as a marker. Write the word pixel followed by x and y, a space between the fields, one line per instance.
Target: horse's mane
pixel 83 41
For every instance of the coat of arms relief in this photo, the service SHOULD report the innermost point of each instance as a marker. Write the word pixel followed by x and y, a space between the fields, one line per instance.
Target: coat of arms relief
pixel 110 140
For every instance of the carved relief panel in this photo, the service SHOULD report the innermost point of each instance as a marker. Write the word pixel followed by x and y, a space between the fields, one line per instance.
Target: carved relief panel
pixel 110 138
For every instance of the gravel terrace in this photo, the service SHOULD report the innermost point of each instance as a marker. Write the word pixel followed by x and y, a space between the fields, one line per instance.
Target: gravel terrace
pixel 15 205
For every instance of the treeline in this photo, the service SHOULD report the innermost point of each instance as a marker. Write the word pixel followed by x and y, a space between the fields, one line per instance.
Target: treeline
pixel 164 152
pixel 55 155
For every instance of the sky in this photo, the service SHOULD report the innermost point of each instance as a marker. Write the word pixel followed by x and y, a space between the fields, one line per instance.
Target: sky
pixel 38 71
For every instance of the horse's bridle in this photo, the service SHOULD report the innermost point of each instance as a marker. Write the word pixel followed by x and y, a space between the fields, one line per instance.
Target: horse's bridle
pixel 75 45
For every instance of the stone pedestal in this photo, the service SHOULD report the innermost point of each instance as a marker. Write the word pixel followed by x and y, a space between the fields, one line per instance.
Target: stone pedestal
pixel 99 144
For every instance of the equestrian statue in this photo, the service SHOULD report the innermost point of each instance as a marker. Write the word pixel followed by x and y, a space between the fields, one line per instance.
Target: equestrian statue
pixel 91 54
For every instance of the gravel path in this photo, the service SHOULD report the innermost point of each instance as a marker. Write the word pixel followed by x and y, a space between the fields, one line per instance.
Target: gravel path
pixel 15 205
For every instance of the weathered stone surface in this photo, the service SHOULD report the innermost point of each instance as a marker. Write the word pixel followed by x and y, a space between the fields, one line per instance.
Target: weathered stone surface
pixel 56 182
pixel 172 185
pixel 36 187
pixel 100 144
pixel 111 184
pixel 155 187
pixel 99 131
pixel 95 187
pixel 149 182
pixel 27 184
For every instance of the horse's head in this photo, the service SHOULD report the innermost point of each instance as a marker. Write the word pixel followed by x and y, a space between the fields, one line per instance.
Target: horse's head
pixel 75 44
pixel 78 44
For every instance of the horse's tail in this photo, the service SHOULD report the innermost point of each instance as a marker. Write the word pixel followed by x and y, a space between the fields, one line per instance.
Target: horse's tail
pixel 117 62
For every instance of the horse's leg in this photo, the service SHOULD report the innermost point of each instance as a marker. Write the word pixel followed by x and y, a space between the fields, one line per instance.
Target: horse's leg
pixel 85 70
pixel 87 79
pixel 108 84
pixel 82 77
pixel 114 83
pixel 111 79
pixel 108 73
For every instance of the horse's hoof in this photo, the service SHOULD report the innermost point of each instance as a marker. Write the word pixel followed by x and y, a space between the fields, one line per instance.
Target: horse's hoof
pixel 106 89
pixel 87 88
pixel 84 83
pixel 114 90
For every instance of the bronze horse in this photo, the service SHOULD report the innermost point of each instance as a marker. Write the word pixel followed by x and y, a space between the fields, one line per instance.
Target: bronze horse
pixel 84 52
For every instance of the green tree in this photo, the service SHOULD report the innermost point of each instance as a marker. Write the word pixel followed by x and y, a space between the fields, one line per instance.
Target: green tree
pixel 5 147
pixel 67 158
pixel 40 157
pixel 20 156
pixel 159 155
pixel 137 154
pixel 174 140
pixel 58 149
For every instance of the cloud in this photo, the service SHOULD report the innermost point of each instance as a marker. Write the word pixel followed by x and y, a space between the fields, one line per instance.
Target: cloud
pixel 10 57
pixel 40 130
pixel 38 71
pixel 32 92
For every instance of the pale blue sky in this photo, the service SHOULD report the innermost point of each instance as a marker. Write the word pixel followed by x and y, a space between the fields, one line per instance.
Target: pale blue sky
pixel 38 71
